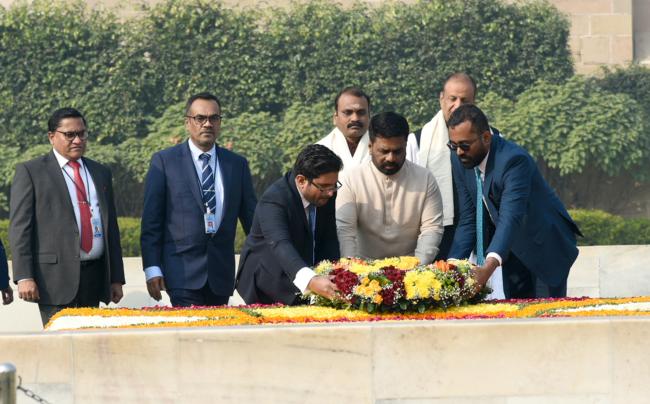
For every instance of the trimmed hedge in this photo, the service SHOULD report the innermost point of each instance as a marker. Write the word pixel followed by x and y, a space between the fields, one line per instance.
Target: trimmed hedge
pixel 129 235
pixel 599 228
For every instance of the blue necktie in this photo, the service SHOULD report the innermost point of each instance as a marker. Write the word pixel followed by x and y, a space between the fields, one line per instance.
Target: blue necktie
pixel 480 258
pixel 207 184
pixel 311 209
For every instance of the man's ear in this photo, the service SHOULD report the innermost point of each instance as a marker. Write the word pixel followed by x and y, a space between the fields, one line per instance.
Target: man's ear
pixel 50 136
pixel 301 179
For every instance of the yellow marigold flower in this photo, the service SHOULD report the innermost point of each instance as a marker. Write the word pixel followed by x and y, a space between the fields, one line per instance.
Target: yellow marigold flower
pixel 377 299
pixel 406 263
pixel 323 267
pixel 421 285
pixel 360 269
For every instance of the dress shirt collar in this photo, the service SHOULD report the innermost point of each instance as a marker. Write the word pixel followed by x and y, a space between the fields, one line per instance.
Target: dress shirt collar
pixel 305 202
pixel 196 152
pixel 483 164
pixel 64 161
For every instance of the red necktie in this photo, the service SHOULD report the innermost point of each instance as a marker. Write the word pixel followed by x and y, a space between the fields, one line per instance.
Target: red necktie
pixel 84 208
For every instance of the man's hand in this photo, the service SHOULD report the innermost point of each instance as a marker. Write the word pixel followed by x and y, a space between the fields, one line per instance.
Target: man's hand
pixel 116 292
pixel 482 274
pixel 28 291
pixel 7 295
pixel 323 286
pixel 154 286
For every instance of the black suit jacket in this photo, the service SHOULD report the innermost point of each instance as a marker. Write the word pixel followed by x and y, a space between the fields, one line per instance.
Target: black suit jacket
pixel 4 268
pixel 280 244
pixel 43 231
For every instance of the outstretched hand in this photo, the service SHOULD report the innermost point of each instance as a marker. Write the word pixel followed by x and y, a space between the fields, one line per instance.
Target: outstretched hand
pixel 481 274
pixel 323 286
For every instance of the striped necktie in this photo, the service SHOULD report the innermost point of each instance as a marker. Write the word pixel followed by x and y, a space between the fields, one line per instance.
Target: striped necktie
pixel 480 258
pixel 207 184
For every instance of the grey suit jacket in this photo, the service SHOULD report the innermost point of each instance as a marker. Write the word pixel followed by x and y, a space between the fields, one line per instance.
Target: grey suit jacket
pixel 43 231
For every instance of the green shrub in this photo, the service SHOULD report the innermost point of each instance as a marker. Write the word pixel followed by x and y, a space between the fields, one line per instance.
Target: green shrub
pixel 602 228
pixel 129 236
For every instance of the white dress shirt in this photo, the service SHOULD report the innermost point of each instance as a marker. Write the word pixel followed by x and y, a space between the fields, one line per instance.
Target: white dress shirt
pixel 97 249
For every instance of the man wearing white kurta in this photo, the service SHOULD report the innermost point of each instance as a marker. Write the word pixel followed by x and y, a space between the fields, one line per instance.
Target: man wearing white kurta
pixel 458 89
pixel 389 206
pixel 349 138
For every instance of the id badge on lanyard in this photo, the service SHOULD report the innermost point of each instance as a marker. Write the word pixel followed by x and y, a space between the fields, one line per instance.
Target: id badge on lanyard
pixel 210 221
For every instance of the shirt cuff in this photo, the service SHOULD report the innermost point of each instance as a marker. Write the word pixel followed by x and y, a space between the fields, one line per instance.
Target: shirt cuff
pixel 303 277
pixel 495 256
pixel 152 272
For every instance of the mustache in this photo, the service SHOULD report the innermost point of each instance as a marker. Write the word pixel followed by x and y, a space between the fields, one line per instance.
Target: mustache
pixel 355 124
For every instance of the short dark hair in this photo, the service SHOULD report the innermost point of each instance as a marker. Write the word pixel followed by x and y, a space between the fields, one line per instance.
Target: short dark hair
pixel 460 76
pixel 60 114
pixel 471 113
pixel 356 91
pixel 316 160
pixel 387 125
pixel 201 96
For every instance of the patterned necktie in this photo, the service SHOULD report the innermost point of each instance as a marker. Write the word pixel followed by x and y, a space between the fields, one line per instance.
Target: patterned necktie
pixel 84 208
pixel 480 258
pixel 207 184
pixel 312 226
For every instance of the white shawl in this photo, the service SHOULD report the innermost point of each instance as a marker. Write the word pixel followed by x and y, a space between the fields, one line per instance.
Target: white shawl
pixel 435 155
pixel 336 142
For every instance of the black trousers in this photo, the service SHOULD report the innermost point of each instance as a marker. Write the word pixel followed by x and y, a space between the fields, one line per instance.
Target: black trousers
pixel 198 297
pixel 91 287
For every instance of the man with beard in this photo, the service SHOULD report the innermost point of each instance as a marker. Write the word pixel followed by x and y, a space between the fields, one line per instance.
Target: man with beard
pixel 293 229
pixel 508 211
pixel 389 206
pixel 194 194
pixel 458 89
pixel 349 138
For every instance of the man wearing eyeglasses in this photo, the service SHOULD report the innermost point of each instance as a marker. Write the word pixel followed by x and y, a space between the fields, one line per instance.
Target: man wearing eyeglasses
pixel 194 194
pixel 389 206
pixel 294 229
pixel 63 231
pixel 509 215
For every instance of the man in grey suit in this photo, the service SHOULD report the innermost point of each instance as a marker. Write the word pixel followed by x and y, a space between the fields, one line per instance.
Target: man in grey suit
pixel 63 230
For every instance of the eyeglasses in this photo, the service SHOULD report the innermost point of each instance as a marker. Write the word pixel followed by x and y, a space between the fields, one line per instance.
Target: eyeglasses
pixel 327 189
pixel 463 146
pixel 200 120
pixel 69 136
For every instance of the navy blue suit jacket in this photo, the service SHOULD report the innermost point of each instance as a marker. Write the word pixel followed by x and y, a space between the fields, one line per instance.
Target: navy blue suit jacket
pixel 173 230
pixel 4 268
pixel 530 221
pixel 280 244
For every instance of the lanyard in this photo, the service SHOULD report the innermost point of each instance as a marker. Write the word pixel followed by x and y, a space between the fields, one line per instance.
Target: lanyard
pixel 87 201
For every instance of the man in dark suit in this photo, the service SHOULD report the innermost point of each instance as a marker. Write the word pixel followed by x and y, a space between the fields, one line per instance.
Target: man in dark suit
pixel 5 288
pixel 194 193
pixel 63 230
pixel 509 211
pixel 294 228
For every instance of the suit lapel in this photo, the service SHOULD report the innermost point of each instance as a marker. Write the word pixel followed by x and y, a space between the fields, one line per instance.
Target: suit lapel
pixel 297 201
pixel 100 189
pixel 187 165
pixel 53 170
pixel 489 178
pixel 225 168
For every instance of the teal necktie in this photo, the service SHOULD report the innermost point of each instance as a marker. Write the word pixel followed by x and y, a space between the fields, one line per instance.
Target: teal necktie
pixel 480 258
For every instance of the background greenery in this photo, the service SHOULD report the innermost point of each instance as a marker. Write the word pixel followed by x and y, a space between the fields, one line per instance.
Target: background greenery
pixel 598 227
pixel 277 71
